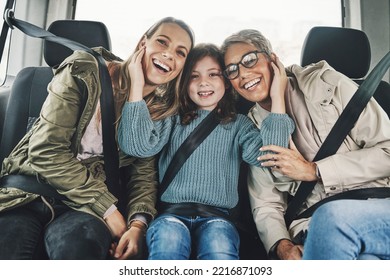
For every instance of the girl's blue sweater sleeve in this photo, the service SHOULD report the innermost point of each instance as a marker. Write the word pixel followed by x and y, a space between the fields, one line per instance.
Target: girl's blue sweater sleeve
pixel 275 130
pixel 138 135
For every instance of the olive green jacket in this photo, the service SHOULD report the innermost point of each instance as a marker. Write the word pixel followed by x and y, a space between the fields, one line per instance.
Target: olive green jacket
pixel 48 151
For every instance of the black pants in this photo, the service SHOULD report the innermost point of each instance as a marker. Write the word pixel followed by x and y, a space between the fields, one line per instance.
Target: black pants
pixel 28 232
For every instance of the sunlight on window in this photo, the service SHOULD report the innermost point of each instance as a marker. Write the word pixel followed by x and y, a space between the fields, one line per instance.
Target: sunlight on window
pixel 285 23
pixel 4 59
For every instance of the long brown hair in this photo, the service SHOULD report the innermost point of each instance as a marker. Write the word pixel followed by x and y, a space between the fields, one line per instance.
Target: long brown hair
pixel 164 101
pixel 226 106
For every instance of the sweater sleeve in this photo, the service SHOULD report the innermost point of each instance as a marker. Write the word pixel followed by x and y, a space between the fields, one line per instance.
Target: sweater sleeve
pixel 138 135
pixel 275 130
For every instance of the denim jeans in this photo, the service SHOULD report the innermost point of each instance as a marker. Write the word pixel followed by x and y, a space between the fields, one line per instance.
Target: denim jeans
pixel 27 232
pixel 349 229
pixel 172 237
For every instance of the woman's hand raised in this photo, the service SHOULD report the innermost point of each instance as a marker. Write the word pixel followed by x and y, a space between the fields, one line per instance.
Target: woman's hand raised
pixel 136 75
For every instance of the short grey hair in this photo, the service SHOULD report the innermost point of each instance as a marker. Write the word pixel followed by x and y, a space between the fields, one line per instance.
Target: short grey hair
pixel 248 36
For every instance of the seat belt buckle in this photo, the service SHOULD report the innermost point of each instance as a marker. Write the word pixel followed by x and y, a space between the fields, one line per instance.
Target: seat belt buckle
pixel 8 17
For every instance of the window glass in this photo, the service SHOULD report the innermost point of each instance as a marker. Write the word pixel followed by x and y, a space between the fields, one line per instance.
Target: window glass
pixel 285 23
pixel 4 59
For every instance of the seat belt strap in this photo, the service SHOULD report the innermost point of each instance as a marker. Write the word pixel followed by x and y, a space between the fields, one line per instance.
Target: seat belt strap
pixel 30 184
pixel 110 149
pixel 206 126
pixel 37 32
pixel 5 28
pixel 361 194
pixel 340 130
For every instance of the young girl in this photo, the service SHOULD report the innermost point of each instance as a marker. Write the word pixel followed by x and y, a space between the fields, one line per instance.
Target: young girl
pixel 210 175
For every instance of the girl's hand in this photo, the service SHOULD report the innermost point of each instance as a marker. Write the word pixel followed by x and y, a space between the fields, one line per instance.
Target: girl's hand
pixel 278 86
pixel 136 75
pixel 130 246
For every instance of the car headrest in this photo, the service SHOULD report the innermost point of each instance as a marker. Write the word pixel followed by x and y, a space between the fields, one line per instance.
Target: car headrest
pixel 346 50
pixel 88 33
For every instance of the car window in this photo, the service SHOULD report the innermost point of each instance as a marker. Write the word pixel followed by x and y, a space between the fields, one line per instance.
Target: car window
pixel 4 59
pixel 285 23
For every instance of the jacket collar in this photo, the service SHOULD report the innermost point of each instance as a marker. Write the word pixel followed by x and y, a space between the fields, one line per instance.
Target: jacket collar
pixel 313 79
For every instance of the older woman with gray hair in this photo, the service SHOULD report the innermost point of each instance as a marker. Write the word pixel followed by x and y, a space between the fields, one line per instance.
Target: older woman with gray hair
pixel 315 96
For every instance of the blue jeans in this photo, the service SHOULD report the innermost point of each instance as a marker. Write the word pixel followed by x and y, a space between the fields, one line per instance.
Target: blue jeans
pixel 172 237
pixel 27 232
pixel 349 229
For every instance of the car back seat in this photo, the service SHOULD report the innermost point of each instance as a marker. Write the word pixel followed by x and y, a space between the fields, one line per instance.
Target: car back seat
pixel 348 51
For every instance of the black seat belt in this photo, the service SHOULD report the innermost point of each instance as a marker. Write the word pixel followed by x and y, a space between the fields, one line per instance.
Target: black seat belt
pixel 196 137
pixel 110 149
pixel 193 140
pixel 340 130
pixel 5 28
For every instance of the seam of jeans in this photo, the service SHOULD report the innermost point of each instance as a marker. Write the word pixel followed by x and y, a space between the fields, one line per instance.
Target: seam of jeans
pixel 51 210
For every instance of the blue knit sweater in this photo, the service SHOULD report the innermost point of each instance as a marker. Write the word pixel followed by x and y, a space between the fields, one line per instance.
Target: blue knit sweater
pixel 210 174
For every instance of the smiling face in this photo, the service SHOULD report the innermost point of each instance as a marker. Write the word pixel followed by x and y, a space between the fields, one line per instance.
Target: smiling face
pixel 207 86
pixel 165 55
pixel 253 83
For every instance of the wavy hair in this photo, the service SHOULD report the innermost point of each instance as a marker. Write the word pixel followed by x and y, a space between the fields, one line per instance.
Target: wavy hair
pixel 164 101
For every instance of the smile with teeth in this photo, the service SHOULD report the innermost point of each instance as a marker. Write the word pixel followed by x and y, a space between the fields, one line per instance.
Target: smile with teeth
pixel 252 83
pixel 205 93
pixel 161 65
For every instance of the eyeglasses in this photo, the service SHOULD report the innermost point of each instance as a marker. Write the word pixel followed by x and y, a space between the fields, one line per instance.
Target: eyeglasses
pixel 248 60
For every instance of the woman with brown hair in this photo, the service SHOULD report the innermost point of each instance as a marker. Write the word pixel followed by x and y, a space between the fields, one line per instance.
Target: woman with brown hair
pixel 64 150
